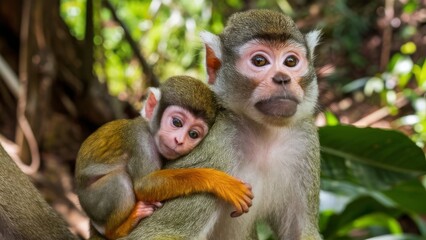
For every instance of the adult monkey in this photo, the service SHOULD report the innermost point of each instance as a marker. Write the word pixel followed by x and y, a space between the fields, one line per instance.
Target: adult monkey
pixel 261 68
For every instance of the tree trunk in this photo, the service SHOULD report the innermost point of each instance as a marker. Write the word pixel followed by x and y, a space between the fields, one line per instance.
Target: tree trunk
pixel 59 101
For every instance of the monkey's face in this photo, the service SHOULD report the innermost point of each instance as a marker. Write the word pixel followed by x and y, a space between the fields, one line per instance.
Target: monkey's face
pixel 279 74
pixel 179 132
pixel 261 67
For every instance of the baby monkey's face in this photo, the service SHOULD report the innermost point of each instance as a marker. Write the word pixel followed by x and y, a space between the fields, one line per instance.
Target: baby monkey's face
pixel 180 131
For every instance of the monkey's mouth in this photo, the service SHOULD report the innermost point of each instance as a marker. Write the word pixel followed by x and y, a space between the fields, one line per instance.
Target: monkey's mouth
pixel 278 106
pixel 169 152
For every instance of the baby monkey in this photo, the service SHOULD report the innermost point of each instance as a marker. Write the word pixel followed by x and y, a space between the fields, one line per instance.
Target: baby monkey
pixel 118 176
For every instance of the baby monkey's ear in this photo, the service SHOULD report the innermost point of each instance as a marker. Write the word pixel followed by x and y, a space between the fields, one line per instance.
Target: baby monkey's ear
pixel 151 103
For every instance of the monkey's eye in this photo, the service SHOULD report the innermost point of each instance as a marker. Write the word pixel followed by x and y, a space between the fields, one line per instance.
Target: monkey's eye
pixel 259 61
pixel 177 122
pixel 291 61
pixel 193 134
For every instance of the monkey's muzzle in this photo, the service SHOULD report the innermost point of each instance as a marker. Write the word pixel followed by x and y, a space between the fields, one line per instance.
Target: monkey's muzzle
pixel 278 106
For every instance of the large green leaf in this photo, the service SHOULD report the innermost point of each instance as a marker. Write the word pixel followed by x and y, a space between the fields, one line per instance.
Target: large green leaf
pixel 398 237
pixel 356 209
pixel 369 157
pixel 410 196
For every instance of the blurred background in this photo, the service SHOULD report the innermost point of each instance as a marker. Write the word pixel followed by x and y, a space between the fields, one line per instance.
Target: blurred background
pixel 69 66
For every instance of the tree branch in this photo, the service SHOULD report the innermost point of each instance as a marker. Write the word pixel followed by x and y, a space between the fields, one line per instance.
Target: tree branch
pixel 9 77
pixel 147 69
pixel 22 95
pixel 88 44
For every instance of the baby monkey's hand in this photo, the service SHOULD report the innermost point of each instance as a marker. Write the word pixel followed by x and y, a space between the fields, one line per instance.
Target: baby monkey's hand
pixel 244 201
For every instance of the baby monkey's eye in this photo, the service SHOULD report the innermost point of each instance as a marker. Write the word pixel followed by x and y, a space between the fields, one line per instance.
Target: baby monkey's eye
pixel 291 61
pixel 193 134
pixel 259 61
pixel 177 122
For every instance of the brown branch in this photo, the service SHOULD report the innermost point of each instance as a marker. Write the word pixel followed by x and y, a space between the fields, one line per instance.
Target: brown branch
pixel 88 44
pixel 147 69
pixel 24 125
pixel 387 34
pixel 401 101
pixel 9 77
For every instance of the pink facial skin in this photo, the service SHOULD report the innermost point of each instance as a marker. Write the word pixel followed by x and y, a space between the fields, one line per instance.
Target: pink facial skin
pixel 180 131
pixel 277 72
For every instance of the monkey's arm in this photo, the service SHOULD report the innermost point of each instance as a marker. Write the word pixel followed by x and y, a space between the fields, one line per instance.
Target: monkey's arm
pixel 171 183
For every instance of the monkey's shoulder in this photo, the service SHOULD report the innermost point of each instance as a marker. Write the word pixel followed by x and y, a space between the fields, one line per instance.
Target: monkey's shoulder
pixel 114 140
pixel 122 129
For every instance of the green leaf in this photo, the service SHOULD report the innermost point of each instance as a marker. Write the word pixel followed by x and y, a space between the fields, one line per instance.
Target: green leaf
pixel 420 73
pixel 397 237
pixel 331 119
pixel 369 157
pixel 355 85
pixel 356 209
pixel 408 48
pixel 410 196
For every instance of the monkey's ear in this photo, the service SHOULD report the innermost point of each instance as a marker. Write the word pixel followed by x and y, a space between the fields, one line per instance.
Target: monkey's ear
pixel 312 39
pixel 213 54
pixel 151 102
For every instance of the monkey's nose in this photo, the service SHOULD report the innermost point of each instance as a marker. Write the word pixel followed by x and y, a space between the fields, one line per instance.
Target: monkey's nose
pixel 281 78
pixel 178 141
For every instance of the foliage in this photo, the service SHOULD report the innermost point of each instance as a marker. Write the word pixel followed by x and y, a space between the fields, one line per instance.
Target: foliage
pixel 394 81
pixel 368 175
pixel 377 171
pixel 73 12
pixel 391 187
pixel 166 32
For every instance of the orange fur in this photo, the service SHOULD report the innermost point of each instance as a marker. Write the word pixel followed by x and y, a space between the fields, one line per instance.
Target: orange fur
pixel 167 184
pixel 125 228
pixel 171 183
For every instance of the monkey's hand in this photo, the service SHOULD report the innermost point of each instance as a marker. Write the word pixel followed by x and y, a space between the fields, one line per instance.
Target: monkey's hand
pixel 139 212
pixel 232 190
pixel 243 199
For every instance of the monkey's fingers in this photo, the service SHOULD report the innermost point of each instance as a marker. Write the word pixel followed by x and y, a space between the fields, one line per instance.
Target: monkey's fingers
pixel 236 214
pixel 246 204
pixel 143 210
pixel 249 194
pixel 243 208
pixel 248 189
pixel 242 205
pixel 155 205
pixel 238 206
pixel 246 195
pixel 248 185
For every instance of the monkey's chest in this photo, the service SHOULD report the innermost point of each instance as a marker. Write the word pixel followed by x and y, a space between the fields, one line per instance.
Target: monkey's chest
pixel 273 169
